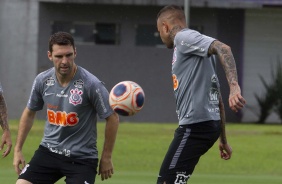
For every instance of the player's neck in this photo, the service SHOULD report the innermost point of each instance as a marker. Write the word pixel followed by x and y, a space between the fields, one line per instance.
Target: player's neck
pixel 64 80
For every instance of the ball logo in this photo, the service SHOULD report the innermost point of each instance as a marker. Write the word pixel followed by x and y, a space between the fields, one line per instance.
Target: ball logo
pixel 75 97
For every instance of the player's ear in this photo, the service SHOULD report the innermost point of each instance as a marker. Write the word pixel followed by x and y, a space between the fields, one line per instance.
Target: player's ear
pixel 49 54
pixel 165 27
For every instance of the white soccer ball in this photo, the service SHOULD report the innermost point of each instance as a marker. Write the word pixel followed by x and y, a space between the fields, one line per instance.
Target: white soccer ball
pixel 127 98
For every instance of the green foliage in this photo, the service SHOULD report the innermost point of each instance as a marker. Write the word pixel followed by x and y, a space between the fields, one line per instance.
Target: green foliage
pixel 140 149
pixel 278 105
pixel 271 101
pixel 267 101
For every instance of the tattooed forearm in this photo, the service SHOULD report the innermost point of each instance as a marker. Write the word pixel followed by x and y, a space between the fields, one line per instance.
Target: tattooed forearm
pixel 3 113
pixel 227 60
pixel 223 138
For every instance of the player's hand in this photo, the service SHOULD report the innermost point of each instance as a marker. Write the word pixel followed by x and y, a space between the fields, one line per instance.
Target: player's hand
pixel 6 139
pixel 236 101
pixel 106 169
pixel 225 151
pixel 19 162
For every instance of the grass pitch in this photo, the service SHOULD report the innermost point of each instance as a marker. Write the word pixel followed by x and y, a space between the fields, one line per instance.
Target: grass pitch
pixel 140 149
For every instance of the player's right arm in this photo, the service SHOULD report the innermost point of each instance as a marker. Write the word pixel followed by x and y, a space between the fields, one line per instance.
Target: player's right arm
pixel 25 125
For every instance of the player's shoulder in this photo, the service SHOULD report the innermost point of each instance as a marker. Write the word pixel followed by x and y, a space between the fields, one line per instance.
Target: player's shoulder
pixel 87 77
pixel 190 34
pixel 42 76
pixel 187 32
pixel 50 71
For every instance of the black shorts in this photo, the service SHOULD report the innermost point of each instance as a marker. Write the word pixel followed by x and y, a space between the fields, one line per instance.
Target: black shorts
pixel 46 167
pixel 189 144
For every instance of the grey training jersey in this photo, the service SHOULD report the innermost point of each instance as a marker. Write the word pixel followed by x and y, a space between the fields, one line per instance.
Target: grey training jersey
pixel 70 128
pixel 195 82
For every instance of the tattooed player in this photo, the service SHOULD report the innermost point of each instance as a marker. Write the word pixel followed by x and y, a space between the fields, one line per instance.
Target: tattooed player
pixel 198 100
pixel 6 137
pixel 73 98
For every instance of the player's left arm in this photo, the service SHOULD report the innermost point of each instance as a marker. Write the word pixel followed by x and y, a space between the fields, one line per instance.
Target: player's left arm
pixel 6 137
pixel 224 53
pixel 224 148
pixel 106 168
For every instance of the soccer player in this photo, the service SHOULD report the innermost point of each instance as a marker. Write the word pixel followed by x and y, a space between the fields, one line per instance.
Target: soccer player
pixel 73 98
pixel 198 100
pixel 6 137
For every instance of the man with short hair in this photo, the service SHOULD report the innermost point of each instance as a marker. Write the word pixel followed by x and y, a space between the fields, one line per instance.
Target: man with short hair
pixel 73 97
pixel 199 103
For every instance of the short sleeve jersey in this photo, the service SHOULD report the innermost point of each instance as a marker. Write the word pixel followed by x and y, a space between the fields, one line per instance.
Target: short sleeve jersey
pixel 70 127
pixel 195 82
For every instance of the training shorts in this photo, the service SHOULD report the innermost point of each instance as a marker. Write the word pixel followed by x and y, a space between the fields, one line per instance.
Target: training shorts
pixel 189 144
pixel 47 167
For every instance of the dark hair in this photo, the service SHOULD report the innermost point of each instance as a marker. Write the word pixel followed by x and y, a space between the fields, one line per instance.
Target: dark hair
pixel 172 9
pixel 60 38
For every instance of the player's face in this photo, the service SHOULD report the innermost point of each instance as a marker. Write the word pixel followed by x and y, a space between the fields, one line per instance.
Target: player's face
pixel 164 33
pixel 63 59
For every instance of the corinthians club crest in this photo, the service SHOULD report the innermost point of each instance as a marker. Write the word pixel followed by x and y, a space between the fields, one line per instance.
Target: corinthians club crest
pixel 75 97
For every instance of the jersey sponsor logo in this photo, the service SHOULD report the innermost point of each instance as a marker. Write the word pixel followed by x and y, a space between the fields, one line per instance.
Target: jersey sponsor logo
pixel 174 58
pixel 78 83
pixel 50 106
pixel 181 178
pixel 175 82
pixel 75 97
pixel 50 81
pixel 213 110
pixel 60 118
pixel 62 95
pixel 213 96
pixel 214 92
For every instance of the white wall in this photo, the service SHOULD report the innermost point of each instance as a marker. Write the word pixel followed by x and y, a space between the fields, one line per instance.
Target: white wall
pixel 263 44
pixel 18 51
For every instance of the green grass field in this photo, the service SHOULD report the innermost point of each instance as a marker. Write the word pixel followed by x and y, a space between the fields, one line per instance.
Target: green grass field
pixel 140 148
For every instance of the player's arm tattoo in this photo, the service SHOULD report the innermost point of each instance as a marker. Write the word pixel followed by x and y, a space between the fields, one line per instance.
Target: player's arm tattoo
pixel 228 62
pixel 223 138
pixel 3 113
